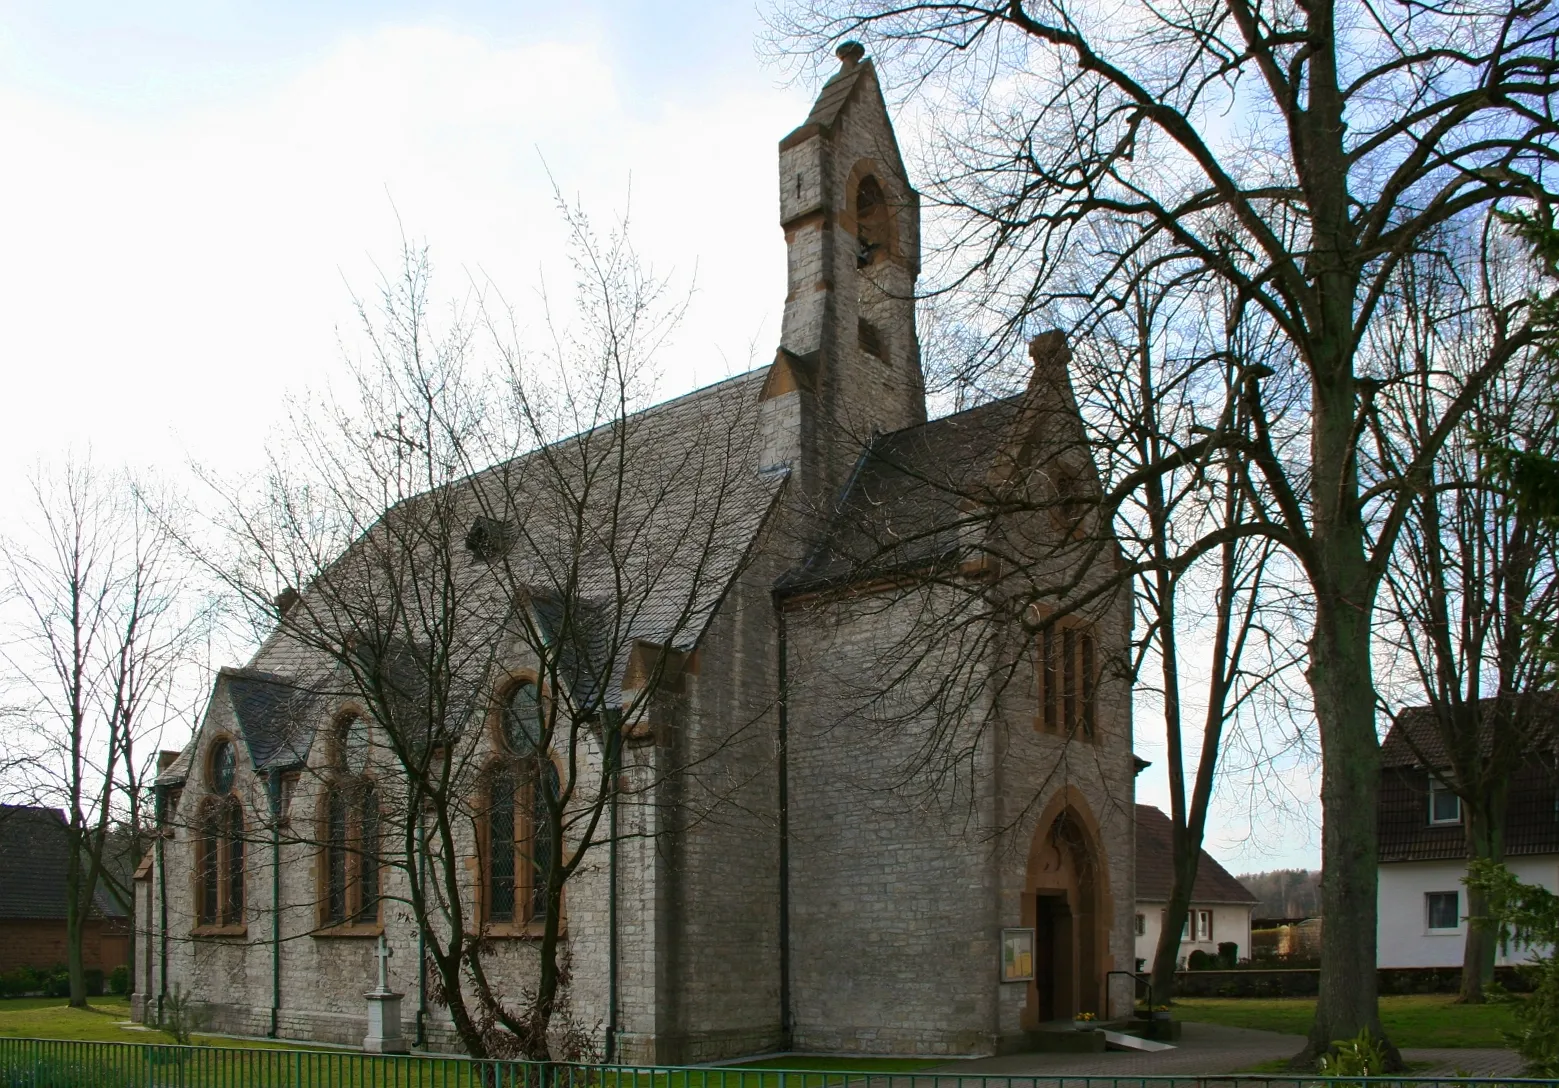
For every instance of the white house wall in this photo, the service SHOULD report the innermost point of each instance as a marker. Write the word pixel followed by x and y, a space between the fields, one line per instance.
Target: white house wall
pixel 1231 922
pixel 1404 937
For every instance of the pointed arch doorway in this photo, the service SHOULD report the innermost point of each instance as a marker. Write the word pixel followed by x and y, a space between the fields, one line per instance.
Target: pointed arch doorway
pixel 1067 902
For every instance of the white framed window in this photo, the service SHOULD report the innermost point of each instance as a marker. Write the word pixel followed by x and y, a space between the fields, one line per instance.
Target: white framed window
pixel 1442 911
pixel 1444 806
pixel 1204 925
pixel 1198 926
pixel 1142 925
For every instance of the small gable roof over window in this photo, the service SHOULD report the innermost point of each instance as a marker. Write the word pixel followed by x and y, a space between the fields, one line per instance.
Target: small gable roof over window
pixel 271 718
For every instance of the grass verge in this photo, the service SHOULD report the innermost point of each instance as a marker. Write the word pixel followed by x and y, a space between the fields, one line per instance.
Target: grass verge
pixel 1411 1020
pixel 102 1021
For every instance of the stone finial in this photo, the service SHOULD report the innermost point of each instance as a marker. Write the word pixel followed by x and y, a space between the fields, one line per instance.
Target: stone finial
pixel 850 53
pixel 1048 351
pixel 285 600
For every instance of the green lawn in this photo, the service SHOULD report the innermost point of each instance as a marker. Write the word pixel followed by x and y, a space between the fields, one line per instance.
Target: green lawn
pixel 1410 1019
pixel 99 1022
pixel 847 1064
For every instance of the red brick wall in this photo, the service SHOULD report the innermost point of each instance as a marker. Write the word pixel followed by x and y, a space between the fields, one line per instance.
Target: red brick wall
pixel 42 944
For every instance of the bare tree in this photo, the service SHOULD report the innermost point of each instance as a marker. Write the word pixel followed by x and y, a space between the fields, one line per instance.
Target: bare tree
pixel 502 570
pixel 101 625
pixel 1473 573
pixel 1295 155
pixel 1157 356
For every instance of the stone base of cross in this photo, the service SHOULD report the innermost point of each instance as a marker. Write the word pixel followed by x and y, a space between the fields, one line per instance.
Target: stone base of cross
pixel 384 1010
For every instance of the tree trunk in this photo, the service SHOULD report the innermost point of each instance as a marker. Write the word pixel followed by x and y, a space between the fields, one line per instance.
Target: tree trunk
pixel 1485 840
pixel 74 917
pixel 1166 956
pixel 1342 684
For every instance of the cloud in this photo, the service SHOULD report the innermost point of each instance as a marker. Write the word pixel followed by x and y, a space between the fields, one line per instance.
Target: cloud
pixel 170 276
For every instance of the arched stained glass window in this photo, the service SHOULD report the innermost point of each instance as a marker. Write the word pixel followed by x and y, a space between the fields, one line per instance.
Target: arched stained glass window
pixel 520 843
pixel 522 719
pixel 219 843
pixel 351 857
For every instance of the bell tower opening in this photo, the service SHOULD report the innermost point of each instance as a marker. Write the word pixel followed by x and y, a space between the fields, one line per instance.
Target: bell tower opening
pixel 872 223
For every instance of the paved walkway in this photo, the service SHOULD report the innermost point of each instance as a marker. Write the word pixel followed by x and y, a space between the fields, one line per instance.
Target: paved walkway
pixel 1210 1050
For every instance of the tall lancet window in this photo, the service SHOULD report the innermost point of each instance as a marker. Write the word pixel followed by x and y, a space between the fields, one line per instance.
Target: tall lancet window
pixel 349 893
pixel 219 843
pixel 522 788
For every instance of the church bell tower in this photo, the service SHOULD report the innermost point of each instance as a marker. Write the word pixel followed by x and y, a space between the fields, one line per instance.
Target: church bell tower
pixel 848 365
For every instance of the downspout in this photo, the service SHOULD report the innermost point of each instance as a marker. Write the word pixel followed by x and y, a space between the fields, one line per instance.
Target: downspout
pixel 787 1028
pixel 275 792
pixel 420 869
pixel 162 904
pixel 615 749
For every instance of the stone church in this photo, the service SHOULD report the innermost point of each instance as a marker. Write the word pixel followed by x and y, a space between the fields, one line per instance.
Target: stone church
pixel 927 845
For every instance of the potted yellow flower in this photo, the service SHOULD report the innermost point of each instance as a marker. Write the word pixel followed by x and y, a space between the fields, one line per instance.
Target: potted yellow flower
pixel 1084 1021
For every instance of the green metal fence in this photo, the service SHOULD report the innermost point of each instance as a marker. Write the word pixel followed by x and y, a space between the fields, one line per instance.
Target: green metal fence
pixel 52 1063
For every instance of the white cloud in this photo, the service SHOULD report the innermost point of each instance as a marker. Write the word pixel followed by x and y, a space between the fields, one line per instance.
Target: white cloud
pixel 168 278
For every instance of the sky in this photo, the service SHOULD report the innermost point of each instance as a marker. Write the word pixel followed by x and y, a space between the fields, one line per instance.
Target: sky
pixel 195 191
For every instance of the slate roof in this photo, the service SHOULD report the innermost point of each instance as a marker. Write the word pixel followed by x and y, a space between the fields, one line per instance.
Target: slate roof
pixel 34 856
pixel 1155 866
pixel 1413 745
pixel 676 484
pixel 906 505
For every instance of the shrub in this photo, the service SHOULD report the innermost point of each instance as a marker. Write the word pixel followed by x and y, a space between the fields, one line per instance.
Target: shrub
pixel 21 981
pixel 119 980
pixel 93 977
pixel 1228 954
pixel 1200 961
pixel 1528 915
pixel 180 1019
pixel 1361 1056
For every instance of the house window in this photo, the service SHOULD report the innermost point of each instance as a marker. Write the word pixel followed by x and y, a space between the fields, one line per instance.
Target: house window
pixel 1442 910
pixel 219 843
pixel 1068 664
pixel 351 865
pixel 518 850
pixel 1142 925
pixel 1445 807
pixel 1198 925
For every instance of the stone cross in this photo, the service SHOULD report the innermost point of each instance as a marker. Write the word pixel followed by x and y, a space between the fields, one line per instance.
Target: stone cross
pixel 383 954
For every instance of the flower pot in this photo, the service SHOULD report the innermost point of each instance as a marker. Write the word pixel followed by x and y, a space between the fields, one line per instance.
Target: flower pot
pixel 1085 1025
pixel 1161 1014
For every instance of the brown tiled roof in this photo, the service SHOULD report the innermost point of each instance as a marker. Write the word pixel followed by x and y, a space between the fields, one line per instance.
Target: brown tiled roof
pixel 1155 866
pixel 1414 741
pixel 34 856
pixel 1414 745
